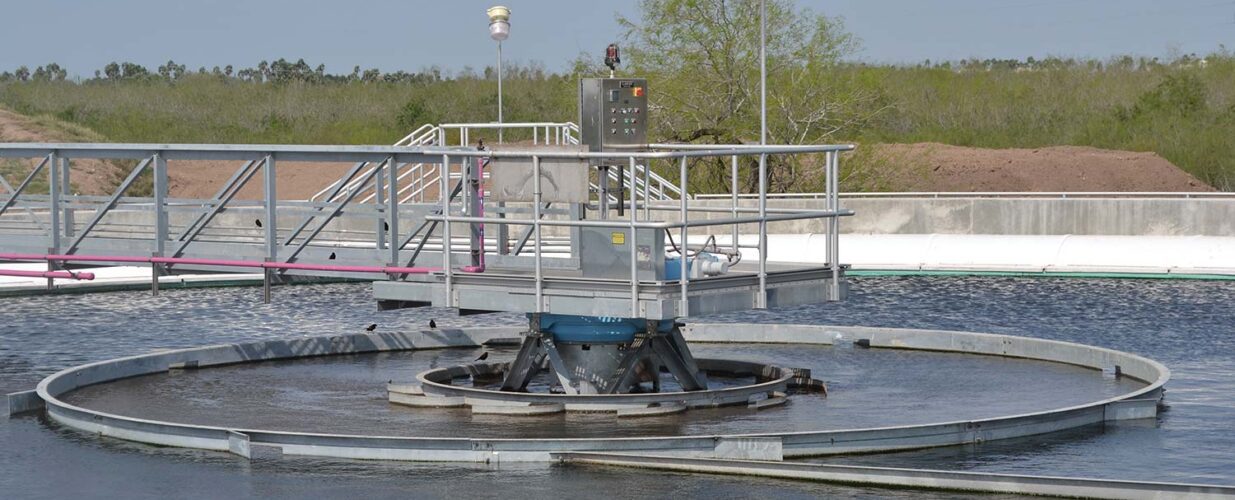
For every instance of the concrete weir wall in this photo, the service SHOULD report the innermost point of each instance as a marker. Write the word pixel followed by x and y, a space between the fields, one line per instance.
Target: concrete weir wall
pixel 1138 216
pixel 1141 235
pixel 1145 234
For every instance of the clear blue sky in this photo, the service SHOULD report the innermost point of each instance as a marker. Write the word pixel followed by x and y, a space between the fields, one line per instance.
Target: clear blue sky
pixel 83 35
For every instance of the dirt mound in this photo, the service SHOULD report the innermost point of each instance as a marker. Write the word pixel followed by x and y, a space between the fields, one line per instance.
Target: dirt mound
pixel 296 180
pixel 190 179
pixel 941 167
pixel 92 177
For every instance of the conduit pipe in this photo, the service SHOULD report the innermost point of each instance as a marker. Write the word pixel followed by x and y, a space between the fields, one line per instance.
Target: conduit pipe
pixel 64 275
pixel 221 263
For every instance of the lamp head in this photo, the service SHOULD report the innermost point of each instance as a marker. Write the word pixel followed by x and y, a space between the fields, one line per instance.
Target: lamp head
pixel 499 22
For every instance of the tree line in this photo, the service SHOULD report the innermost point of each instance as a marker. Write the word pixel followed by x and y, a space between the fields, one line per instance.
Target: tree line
pixel 278 71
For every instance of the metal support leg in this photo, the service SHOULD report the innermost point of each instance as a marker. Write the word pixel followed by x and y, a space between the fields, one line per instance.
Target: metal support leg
pixel 51 266
pixel 673 353
pixel 526 364
pixel 155 271
pixel 761 301
pixel 569 385
pixel 379 200
pixel 603 199
pixel 627 374
pixel 392 211
pixel 267 276
pixel 272 213
pixel 66 190
pixel 53 180
pixel 160 204
pixel 503 231
pixel 621 191
pixel 472 178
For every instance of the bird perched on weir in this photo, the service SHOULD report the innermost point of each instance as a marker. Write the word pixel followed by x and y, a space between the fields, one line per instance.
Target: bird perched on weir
pixel 370 327
pixel 432 324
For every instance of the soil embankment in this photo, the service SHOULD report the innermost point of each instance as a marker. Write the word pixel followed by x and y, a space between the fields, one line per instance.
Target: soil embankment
pixel 186 179
pixel 91 177
pixel 941 167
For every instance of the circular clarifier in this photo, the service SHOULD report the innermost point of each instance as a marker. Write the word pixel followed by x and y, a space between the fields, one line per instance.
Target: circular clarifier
pixel 992 383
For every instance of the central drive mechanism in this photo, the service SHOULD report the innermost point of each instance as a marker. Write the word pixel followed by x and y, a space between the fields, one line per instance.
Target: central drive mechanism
pixel 597 355
pixel 594 364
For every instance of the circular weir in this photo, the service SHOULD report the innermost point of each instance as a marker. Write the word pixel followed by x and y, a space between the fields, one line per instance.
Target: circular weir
pixel 731 382
pixel 852 419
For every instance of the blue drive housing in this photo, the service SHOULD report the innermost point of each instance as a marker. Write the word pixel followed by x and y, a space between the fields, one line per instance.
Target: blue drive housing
pixel 571 329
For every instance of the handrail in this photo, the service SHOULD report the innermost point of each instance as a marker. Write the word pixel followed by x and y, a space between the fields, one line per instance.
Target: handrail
pixel 995 194
pixel 425 135
pixel 368 162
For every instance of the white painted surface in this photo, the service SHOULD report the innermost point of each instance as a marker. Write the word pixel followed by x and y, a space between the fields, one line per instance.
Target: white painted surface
pixel 108 276
pixel 1016 253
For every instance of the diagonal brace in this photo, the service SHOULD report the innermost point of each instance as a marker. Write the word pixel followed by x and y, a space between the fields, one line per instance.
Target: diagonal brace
pixel 432 226
pixel 330 197
pixel 110 204
pixel 527 233
pixel 338 209
pixel 222 198
pixel 22 187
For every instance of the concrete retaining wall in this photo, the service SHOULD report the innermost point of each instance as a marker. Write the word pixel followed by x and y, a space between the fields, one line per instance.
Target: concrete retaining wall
pixel 1018 216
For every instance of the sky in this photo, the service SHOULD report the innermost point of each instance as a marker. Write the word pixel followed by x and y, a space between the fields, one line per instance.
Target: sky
pixel 84 35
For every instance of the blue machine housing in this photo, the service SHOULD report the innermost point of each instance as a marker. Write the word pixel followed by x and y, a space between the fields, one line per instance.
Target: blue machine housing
pixel 673 268
pixel 571 329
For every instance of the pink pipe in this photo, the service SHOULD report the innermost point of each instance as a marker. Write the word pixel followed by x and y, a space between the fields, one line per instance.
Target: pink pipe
pixel 221 263
pixel 480 192
pixel 64 275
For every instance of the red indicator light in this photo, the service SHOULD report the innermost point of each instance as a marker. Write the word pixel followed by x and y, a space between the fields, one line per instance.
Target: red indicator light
pixel 638 91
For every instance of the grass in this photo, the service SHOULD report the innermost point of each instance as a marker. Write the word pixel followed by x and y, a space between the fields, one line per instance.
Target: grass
pixel 1184 110
pixel 205 109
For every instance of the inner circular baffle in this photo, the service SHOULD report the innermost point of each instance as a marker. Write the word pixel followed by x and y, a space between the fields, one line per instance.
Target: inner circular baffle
pixel 769 387
pixel 1140 403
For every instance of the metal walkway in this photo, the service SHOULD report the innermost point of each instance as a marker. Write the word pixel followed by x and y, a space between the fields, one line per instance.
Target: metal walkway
pixel 382 222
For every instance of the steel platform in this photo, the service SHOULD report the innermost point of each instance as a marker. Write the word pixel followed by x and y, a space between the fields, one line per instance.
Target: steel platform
pixel 513 291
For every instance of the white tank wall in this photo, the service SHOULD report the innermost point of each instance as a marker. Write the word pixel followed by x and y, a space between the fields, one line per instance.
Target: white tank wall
pixel 1010 253
pixel 1153 216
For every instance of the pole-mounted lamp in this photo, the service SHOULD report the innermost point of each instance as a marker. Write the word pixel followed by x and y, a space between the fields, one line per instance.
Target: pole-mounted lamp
pixel 499 30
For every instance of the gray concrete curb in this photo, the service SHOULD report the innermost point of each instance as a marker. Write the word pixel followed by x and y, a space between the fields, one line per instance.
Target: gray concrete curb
pixel 913 478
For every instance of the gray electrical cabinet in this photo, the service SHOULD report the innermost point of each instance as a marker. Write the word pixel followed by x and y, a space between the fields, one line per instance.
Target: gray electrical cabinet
pixel 613 114
pixel 605 252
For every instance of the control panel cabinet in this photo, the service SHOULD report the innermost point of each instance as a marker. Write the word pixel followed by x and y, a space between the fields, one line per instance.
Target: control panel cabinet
pixel 613 113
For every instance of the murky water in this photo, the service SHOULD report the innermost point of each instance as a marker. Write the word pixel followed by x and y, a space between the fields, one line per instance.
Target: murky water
pixel 346 394
pixel 1186 325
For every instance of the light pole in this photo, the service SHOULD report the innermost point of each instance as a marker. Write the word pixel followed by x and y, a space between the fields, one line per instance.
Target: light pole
pixel 763 72
pixel 499 29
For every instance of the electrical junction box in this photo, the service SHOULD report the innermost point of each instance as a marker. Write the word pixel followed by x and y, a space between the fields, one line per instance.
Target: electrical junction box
pixel 605 252
pixel 613 114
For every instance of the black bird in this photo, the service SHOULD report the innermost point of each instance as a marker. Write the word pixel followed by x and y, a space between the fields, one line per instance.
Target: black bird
pixel 483 356
pixel 432 324
pixel 370 327
pixel 258 222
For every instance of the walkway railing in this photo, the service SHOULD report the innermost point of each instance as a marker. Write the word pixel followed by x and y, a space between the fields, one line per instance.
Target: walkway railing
pixel 328 237
pixel 1000 194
